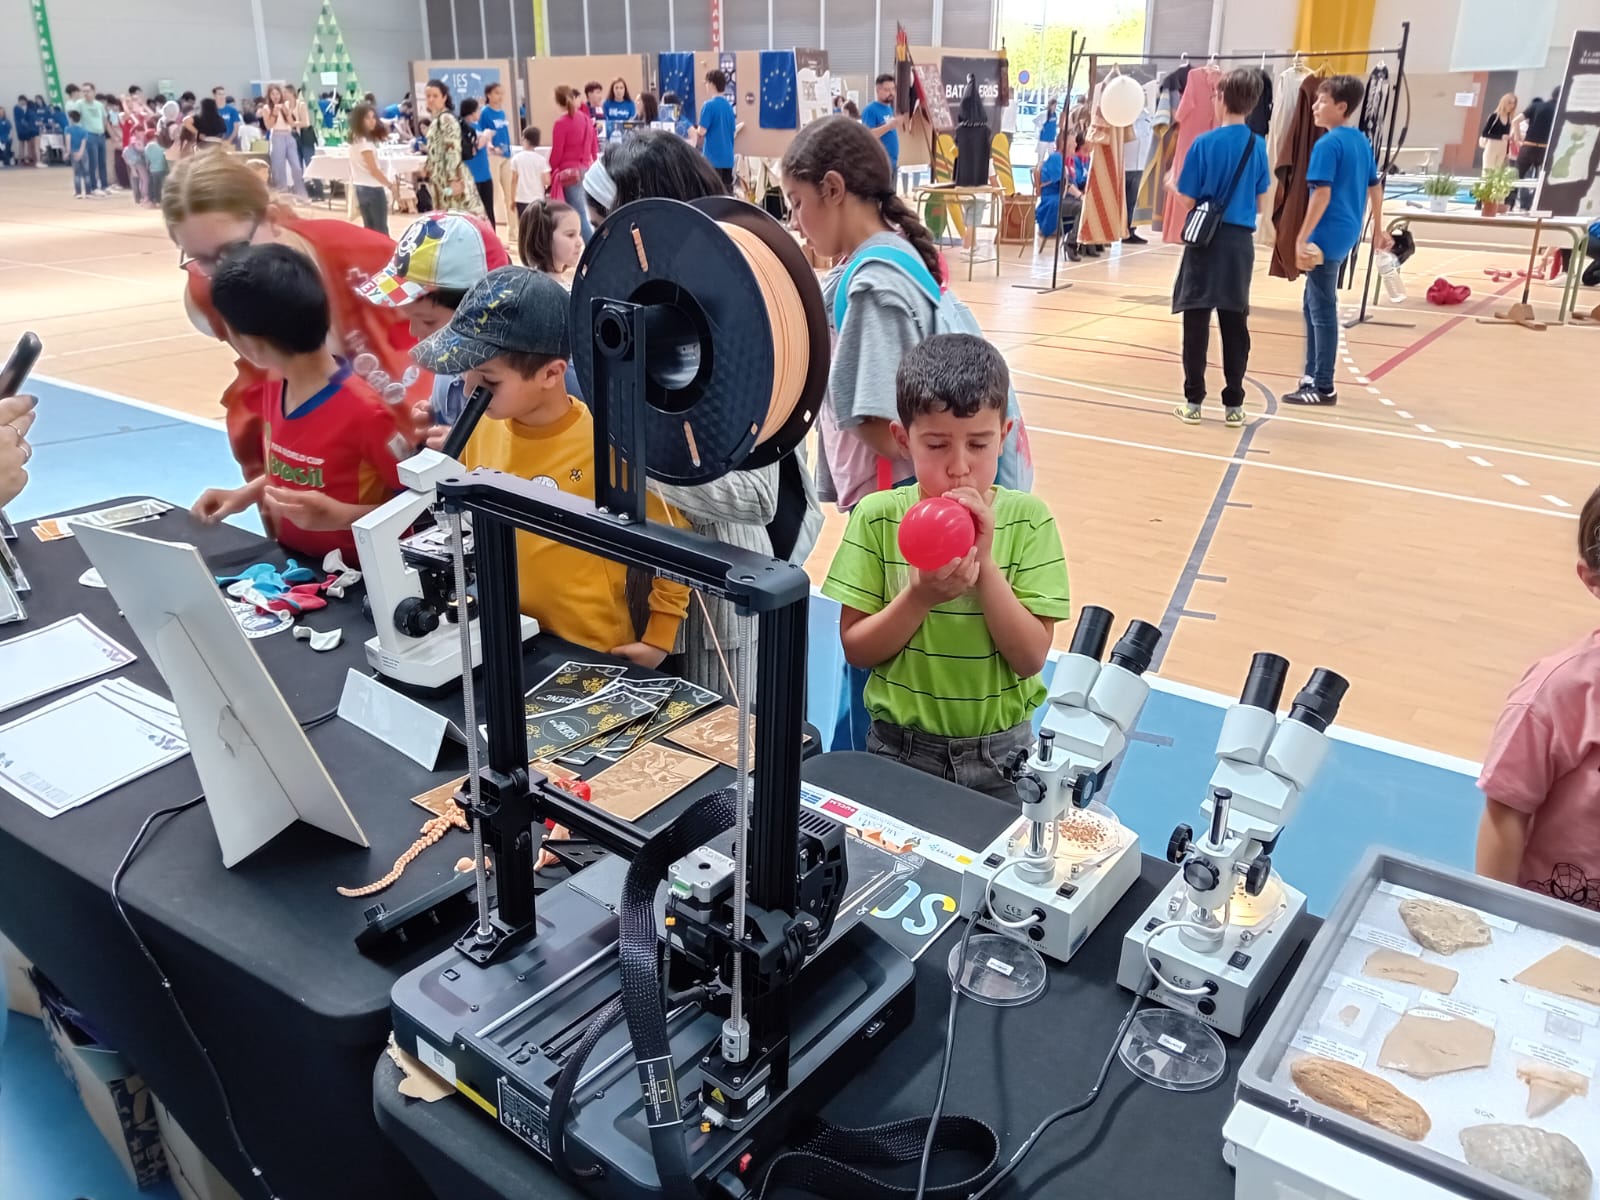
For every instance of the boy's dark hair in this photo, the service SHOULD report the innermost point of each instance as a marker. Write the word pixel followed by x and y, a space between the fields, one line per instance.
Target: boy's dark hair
pixel 718 81
pixel 531 136
pixel 886 77
pixel 951 372
pixel 1241 90
pixel 450 298
pixel 275 294
pixel 1344 89
pixel 469 105
pixel 73 89
pixel 658 163
pixel 594 85
pixel 1589 531
pixel 526 365
pixel 74 117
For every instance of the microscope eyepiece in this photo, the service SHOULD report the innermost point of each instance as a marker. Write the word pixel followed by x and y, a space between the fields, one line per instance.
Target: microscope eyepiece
pixel 1092 633
pixel 1136 647
pixel 1317 704
pixel 1263 686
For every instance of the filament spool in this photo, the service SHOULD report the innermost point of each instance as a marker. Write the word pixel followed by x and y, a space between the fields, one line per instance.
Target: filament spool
pixel 736 336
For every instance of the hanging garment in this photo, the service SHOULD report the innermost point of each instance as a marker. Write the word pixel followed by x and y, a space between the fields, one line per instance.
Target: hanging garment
pixel 1260 118
pixel 1288 90
pixel 1196 114
pixel 1294 193
pixel 973 140
pixel 1105 196
pixel 1153 187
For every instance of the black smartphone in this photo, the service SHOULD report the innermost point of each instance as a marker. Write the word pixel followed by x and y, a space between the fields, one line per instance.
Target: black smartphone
pixel 15 373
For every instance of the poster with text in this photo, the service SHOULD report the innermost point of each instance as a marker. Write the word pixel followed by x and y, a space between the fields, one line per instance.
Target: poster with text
pixel 815 83
pixel 954 71
pixel 1571 185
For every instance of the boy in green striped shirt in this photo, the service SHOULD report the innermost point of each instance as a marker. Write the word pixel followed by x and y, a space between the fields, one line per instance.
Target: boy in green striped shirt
pixel 955 654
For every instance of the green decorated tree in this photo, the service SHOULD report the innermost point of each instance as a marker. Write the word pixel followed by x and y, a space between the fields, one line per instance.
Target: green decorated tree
pixel 329 69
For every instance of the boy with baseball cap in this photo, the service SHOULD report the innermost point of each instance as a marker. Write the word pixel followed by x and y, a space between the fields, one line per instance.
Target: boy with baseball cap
pixel 509 335
pixel 437 260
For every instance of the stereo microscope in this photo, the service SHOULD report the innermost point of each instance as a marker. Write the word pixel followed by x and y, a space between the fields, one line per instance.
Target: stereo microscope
pixel 1219 936
pixel 1054 875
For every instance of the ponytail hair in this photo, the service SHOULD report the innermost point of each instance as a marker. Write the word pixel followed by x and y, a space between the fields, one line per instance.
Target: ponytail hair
pixel 843 147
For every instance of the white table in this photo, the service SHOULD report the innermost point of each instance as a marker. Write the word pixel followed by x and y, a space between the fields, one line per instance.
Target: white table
pixel 333 163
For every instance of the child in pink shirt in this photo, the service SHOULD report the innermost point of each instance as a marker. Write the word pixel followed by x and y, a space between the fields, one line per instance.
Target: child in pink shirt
pixel 1541 776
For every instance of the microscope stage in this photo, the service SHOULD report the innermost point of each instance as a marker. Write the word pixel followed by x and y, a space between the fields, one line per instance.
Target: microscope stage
pixel 1097 861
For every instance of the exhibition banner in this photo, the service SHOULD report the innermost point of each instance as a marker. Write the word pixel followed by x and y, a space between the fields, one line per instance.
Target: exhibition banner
pixel 1572 164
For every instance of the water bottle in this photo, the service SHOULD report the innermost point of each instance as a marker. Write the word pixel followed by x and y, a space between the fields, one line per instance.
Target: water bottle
pixel 1389 270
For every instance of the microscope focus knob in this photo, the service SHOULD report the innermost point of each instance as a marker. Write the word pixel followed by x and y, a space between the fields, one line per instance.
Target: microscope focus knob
pixel 414 618
pixel 1201 875
pixel 1030 788
pixel 1012 767
pixel 1255 878
pixel 1178 844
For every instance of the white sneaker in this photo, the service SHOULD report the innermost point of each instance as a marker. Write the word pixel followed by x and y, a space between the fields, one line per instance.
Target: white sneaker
pixel 115 190
pixel 79 196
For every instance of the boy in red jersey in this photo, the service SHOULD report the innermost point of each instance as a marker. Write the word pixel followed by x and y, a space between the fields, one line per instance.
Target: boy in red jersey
pixel 329 442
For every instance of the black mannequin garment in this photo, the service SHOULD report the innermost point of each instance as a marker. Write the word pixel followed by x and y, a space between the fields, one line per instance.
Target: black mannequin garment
pixel 973 140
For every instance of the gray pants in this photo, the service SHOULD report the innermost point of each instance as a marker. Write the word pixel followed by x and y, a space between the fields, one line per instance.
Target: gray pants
pixel 976 762
pixel 288 172
pixel 374 205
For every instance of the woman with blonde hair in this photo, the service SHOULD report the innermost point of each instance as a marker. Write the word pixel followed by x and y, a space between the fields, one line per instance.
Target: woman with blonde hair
pixel 215 205
pixel 1496 139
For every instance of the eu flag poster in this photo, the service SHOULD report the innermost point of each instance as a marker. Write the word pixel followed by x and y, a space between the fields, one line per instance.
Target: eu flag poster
pixel 780 105
pixel 676 70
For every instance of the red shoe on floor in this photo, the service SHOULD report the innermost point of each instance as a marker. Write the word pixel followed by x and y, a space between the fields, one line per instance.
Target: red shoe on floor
pixel 1445 293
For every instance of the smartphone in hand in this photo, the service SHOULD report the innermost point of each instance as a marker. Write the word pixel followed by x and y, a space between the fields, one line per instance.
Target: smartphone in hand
pixel 15 373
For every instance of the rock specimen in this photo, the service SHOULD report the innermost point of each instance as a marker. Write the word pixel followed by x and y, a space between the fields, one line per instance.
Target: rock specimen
pixel 1361 1095
pixel 1547 1163
pixel 1443 928
pixel 1566 972
pixel 1425 1043
pixel 1348 1014
pixel 1408 968
pixel 1549 1087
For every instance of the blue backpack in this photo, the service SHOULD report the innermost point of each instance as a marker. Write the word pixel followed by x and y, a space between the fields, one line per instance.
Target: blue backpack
pixel 950 315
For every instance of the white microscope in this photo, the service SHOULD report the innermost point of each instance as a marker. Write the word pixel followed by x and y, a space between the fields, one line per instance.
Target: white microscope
pixel 1219 936
pixel 1054 875
pixel 410 586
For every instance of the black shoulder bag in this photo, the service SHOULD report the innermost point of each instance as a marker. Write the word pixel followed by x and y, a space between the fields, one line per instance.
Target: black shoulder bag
pixel 1201 225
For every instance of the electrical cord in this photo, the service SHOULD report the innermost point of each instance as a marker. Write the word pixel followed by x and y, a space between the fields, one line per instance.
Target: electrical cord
pixel 1071 1110
pixel 1162 928
pixel 166 986
pixel 944 1068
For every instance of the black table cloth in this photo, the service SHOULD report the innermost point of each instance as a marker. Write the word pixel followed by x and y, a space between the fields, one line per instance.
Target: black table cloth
pixel 262 957
pixel 1011 1067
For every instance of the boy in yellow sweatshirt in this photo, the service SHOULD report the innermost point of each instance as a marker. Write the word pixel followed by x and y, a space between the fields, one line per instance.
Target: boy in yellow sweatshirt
pixel 510 335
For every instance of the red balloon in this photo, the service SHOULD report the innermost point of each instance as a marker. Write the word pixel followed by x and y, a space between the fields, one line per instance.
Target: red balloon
pixel 934 531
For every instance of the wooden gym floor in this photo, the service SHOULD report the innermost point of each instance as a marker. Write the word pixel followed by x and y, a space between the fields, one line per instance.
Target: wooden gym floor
pixel 1418 539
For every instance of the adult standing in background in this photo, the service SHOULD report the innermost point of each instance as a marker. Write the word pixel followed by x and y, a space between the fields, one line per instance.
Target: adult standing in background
pixel 92 113
pixel 229 112
pixel 1496 137
pixel 27 128
pixel 886 124
pixel 287 172
pixel 715 132
pixel 573 147
pixel 1541 118
pixel 447 175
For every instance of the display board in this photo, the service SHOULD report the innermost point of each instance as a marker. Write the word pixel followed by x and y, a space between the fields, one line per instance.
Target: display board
pixel 466 77
pixel 578 70
pixel 1571 186
pixel 985 64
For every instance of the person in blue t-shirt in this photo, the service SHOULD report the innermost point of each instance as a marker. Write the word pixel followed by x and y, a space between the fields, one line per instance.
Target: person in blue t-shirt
pixel 494 136
pixel 1047 131
pixel 1226 166
pixel 717 128
pixel 1343 177
pixel 619 108
pixel 885 123
pixel 479 164
pixel 78 148
pixel 228 111
pixel 5 140
pixel 1059 199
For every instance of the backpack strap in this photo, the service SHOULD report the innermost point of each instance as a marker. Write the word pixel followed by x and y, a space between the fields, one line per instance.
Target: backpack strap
pixel 898 256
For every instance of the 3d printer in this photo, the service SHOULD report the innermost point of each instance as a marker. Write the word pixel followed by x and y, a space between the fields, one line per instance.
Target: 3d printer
pixel 721 940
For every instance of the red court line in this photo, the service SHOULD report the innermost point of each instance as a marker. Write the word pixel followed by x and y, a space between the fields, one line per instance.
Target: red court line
pixel 1438 332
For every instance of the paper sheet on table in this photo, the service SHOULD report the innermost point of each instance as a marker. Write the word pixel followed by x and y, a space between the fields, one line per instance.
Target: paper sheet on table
pixel 45 660
pixel 134 731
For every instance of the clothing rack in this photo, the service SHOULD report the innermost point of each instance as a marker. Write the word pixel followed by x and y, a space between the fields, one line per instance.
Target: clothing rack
pixel 1383 154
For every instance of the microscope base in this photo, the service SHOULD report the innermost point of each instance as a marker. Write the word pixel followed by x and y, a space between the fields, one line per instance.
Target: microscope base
pixel 1073 902
pixel 1242 969
pixel 434 662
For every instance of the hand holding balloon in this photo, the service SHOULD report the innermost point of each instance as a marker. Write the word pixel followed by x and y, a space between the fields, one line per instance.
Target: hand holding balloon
pixel 937 531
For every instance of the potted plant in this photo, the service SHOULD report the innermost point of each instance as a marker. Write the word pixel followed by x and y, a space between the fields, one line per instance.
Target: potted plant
pixel 1493 188
pixel 1439 189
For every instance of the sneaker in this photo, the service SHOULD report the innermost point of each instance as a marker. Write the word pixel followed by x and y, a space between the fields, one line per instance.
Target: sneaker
pixel 1133 239
pixel 79 196
pixel 1308 394
pixel 1189 414
pixel 1234 416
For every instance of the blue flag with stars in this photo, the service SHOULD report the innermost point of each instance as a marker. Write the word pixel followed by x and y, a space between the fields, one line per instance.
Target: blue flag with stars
pixel 676 71
pixel 780 101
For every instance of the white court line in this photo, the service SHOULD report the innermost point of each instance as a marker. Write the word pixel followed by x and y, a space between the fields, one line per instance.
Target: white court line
pixel 117 346
pixel 1482 462
pixel 1342 426
pixel 1449 445
pixel 1515 479
pixel 1386 400
pixel 1402 414
pixel 1424 428
pixel 1556 500
pixel 1372 389
pixel 175 414
pixel 98 275
pixel 1363 379
pixel 1257 464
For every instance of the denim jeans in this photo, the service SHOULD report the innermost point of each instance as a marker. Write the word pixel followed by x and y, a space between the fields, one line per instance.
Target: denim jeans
pixel 374 205
pixel 975 762
pixel 94 154
pixel 1322 324
pixel 80 176
pixel 574 195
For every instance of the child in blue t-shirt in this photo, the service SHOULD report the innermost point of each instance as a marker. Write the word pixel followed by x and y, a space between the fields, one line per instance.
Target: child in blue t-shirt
pixel 5 140
pixel 1226 166
pixel 77 140
pixel 479 165
pixel 717 128
pixel 1343 177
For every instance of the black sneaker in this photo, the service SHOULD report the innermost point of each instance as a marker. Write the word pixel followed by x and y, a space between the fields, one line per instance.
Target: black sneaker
pixel 1308 394
pixel 1133 239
